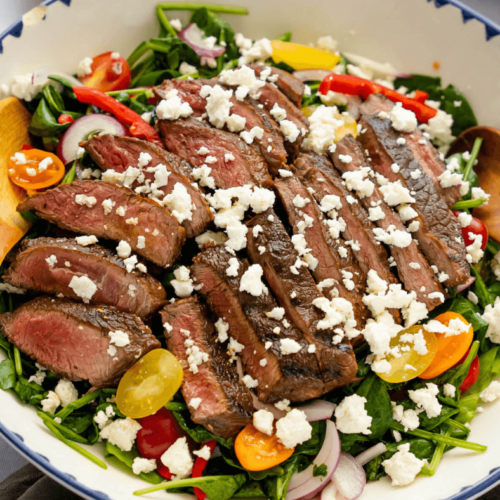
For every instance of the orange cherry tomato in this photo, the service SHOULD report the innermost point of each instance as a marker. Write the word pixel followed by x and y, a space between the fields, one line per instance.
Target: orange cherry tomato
pixel 451 349
pixel 257 451
pixel 108 73
pixel 41 170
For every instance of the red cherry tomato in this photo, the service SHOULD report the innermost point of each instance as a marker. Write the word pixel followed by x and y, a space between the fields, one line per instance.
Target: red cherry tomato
pixel 473 374
pixel 108 73
pixel 163 470
pixel 199 467
pixel 475 227
pixel 158 433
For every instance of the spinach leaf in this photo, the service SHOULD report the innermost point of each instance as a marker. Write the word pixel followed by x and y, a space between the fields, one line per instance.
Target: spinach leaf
pixel 54 99
pixel 320 470
pixel 44 123
pixel 353 443
pixel 250 490
pixel 7 374
pixel 480 289
pixel 276 487
pixel 431 423
pixel 312 446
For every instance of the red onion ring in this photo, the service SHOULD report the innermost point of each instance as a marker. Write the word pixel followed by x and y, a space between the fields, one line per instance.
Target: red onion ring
pixel 369 454
pixel 318 410
pixel 467 284
pixel 192 35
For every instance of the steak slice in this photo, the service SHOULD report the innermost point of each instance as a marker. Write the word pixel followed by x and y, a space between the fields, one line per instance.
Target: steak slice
pixel 185 138
pixel 162 233
pixel 317 172
pixel 413 269
pixel 295 376
pixel 72 340
pixel 291 86
pixel 118 153
pixel 226 403
pixel 33 269
pixel 270 144
pixel 439 234
pixel 421 148
pixel 295 289
pixel 330 264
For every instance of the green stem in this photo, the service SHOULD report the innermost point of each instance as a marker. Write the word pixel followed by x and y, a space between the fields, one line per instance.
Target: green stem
pixel 462 205
pixel 218 9
pixel 431 469
pixel 186 77
pixel 164 21
pixel 17 362
pixel 464 367
pixel 137 91
pixel 79 403
pixel 70 176
pixel 67 433
pixel 458 425
pixel 473 156
pixel 139 51
pixel 74 446
pixel 438 438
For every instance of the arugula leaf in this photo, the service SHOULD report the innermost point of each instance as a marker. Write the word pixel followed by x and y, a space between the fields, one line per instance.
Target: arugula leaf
pixel 320 470
pixel 7 374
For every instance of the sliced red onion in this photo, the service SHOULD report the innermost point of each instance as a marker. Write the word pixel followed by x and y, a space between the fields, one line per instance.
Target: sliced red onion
pixel 41 75
pixel 193 36
pixel 382 69
pixel 319 410
pixel 81 128
pixel 467 284
pixel 259 405
pixel 304 485
pixel 371 453
pixel 349 478
pixel 311 75
pixel 330 493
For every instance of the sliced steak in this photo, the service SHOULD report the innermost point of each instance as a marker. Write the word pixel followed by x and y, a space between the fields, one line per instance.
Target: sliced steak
pixel 439 234
pixel 72 340
pixel 270 145
pixel 48 265
pixel 291 86
pixel 329 264
pixel 421 148
pixel 186 137
pixel 295 289
pixel 317 172
pixel 413 269
pixel 295 376
pixel 118 153
pixel 163 236
pixel 226 403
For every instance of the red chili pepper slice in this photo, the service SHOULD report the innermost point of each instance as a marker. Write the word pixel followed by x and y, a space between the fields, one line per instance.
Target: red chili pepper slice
pixel 64 118
pixel 354 85
pixel 26 147
pixel 137 126
pixel 472 374
pixel 421 96
pixel 199 467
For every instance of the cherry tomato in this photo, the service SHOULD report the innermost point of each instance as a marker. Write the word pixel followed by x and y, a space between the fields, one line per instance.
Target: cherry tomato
pixel 475 227
pixel 108 73
pixel 257 451
pixel 199 467
pixel 411 363
pixel 158 433
pixel 150 384
pixel 302 56
pixel 450 349
pixel 27 170
pixel 163 470
pixel 472 375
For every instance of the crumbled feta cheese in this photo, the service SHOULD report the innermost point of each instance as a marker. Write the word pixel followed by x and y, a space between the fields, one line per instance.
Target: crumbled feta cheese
pixel 234 265
pixel 474 251
pixel 179 202
pixel 293 429
pixel 171 107
pixel 222 328
pixel 345 158
pixel 82 199
pixel 357 181
pixel 278 313
pixel 66 391
pixel 439 128
pixel 324 123
pixel 392 236
pixel 50 403
pixel 44 164
pixel 406 212
pixel 403 466
pixel 477 193
pixel 183 284
pixel 449 390
pixel 263 421
pixel 122 433
pixel 376 213
pixel 289 346
pixel 465 219
pixel 426 399
pixel 492 316
pixel 85 67
pixel 352 417
pixel 251 281
pixel 123 249
pixel 195 403
pixel 250 382
pixel 403 120
pixel 395 193
pixel 203 452
pixel 51 261
pixel 141 465
pixel 85 241
pixel 178 459
pixel 108 205
pixel 130 263
pixel 83 287
pixel 249 135
pixel 449 179
pixel 259 51
pixel 119 338
pixel 186 68
pixel 491 393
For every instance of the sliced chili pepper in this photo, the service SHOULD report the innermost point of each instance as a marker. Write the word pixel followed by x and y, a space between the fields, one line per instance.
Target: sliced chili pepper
pixel 421 96
pixel 63 118
pixel 26 147
pixel 354 85
pixel 138 127
pixel 199 467
pixel 472 374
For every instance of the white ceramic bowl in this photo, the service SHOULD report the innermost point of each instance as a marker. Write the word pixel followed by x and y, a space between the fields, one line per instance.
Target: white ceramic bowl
pixel 411 34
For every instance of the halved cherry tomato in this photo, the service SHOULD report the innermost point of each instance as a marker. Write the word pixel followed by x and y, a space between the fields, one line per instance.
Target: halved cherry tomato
pixel 159 431
pixel 257 451
pixel 475 227
pixel 302 56
pixel 31 175
pixel 64 118
pixel 150 384
pixel 472 375
pixel 107 73
pixel 450 349
pixel 199 467
pixel 410 364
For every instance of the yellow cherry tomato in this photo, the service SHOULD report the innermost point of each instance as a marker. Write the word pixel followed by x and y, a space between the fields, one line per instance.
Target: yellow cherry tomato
pixel 411 363
pixel 150 384
pixel 34 169
pixel 303 57
pixel 257 451
pixel 451 349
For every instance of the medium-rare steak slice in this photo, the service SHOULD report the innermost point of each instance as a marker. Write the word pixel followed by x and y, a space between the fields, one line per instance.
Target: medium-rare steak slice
pixel 49 265
pixel 439 234
pixel 423 150
pixel 109 211
pixel 413 269
pixel 317 172
pixel 270 144
pixel 118 153
pixel 236 162
pixel 292 376
pixel 343 275
pixel 270 247
pixel 75 341
pixel 291 86
pixel 215 396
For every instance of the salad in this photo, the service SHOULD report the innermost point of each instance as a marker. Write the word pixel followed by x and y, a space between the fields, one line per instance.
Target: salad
pixel 248 268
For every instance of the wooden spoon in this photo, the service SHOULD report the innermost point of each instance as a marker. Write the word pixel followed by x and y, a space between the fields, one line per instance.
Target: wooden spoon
pixel 14 122
pixel 488 171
